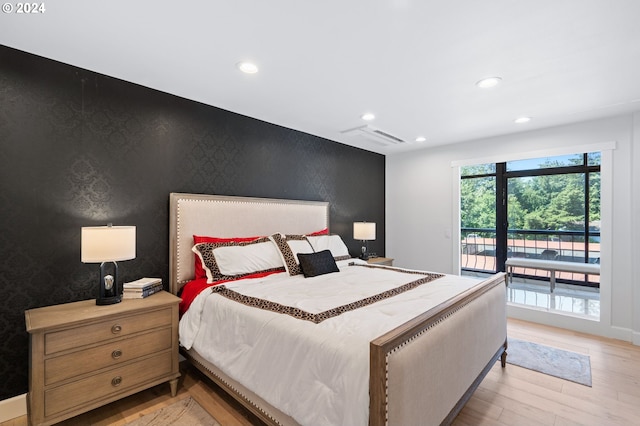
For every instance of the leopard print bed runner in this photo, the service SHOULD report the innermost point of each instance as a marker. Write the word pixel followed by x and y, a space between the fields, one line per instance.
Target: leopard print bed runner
pixel 319 317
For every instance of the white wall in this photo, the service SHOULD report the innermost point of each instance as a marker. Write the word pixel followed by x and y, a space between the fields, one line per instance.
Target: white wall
pixel 635 227
pixel 422 226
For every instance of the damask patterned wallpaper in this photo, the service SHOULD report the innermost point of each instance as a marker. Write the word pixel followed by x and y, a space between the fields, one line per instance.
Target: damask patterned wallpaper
pixel 79 149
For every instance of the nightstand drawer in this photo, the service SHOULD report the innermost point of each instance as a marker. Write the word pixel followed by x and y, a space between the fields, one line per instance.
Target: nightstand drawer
pixel 81 362
pixel 104 330
pixel 78 393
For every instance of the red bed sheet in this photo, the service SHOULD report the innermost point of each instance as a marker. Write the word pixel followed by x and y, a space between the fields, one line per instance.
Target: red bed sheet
pixel 194 287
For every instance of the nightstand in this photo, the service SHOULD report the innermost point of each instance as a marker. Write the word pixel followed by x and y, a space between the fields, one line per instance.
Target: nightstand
pixel 386 261
pixel 83 356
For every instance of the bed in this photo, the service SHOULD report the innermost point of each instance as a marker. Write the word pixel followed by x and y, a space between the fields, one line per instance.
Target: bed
pixel 420 371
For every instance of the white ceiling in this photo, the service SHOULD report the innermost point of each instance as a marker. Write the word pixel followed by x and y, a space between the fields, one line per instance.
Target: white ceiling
pixel 413 63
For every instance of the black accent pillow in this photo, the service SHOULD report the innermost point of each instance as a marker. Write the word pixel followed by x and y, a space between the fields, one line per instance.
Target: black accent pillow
pixel 313 264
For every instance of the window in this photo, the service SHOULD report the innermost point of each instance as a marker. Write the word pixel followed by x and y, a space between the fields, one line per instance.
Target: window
pixel 545 208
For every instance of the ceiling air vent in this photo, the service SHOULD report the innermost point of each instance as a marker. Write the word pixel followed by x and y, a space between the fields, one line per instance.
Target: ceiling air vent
pixel 374 135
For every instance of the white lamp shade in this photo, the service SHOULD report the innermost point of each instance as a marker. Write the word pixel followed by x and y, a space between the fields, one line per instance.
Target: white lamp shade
pixel 364 230
pixel 108 243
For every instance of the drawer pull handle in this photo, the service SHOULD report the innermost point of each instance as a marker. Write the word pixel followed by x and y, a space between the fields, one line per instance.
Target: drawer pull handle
pixel 116 381
pixel 116 329
pixel 116 354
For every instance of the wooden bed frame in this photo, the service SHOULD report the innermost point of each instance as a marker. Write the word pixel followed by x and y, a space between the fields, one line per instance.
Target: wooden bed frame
pixel 404 386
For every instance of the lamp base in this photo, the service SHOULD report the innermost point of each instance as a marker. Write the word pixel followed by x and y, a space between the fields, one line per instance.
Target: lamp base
pixel 364 255
pixel 109 293
pixel 108 300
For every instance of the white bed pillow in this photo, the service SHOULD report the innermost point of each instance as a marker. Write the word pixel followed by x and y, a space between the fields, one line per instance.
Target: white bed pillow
pixel 236 260
pixel 332 243
pixel 233 260
pixel 289 246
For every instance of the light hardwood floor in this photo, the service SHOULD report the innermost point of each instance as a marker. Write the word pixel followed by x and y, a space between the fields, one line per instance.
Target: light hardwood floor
pixel 510 396
pixel 517 396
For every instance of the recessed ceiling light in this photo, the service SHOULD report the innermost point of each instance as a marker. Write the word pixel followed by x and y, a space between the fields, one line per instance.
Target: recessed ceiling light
pixel 247 67
pixel 487 83
pixel 421 139
pixel 368 116
pixel 521 120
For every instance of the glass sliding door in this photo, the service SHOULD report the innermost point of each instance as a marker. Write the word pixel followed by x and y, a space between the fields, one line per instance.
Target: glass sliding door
pixel 542 208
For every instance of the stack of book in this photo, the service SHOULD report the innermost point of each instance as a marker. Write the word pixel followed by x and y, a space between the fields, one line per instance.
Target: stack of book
pixel 141 288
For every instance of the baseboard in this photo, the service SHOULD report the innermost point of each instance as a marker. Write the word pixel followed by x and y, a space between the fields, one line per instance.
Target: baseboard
pixel 13 407
pixel 622 333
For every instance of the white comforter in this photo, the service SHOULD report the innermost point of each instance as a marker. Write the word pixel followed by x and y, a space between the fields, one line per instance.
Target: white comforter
pixel 316 373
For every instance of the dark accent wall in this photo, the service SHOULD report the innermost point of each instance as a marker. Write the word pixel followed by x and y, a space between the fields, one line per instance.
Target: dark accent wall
pixel 79 148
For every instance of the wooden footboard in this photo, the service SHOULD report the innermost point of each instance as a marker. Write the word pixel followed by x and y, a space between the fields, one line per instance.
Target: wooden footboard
pixel 410 383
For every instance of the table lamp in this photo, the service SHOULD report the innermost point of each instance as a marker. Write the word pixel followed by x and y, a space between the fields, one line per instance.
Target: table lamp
pixel 105 245
pixel 364 231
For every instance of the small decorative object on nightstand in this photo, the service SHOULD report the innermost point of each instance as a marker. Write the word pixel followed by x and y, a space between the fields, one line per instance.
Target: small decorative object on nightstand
pixel 84 356
pixel 385 261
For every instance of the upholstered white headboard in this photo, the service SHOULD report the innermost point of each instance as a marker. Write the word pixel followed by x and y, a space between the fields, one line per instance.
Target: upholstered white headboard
pixel 226 217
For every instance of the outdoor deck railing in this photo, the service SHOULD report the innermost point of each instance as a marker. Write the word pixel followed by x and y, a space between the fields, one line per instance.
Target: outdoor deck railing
pixel 478 251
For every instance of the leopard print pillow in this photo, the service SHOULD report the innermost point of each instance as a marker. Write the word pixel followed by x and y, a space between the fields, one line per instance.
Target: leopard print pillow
pixel 205 251
pixel 289 247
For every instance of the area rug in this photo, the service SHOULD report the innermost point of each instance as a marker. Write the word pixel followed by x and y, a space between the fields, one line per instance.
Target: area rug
pixel 185 412
pixel 554 362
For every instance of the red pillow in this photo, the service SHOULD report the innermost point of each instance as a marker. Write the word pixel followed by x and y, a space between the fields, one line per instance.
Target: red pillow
pixel 324 231
pixel 199 269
